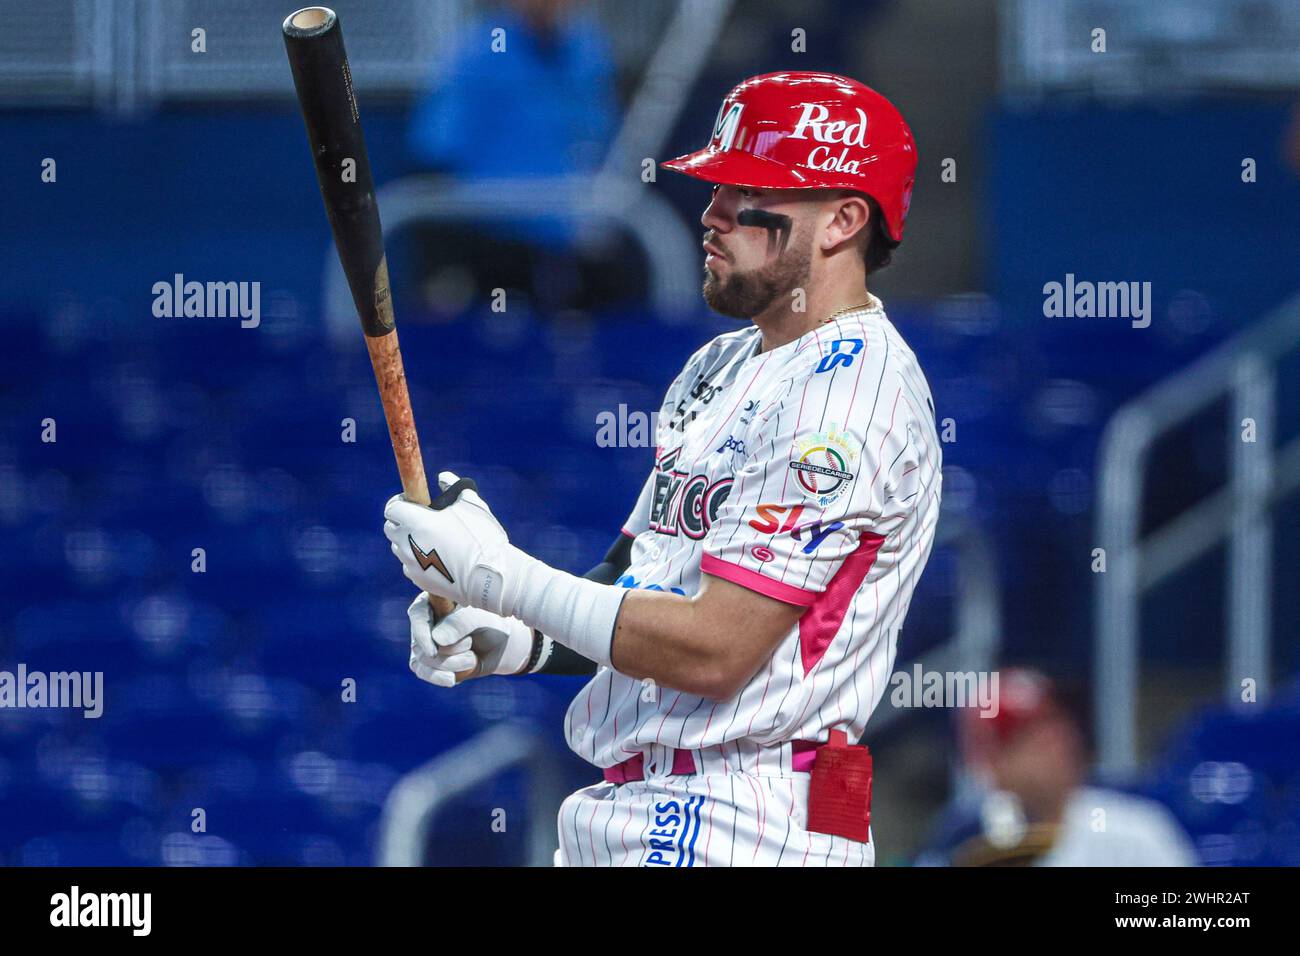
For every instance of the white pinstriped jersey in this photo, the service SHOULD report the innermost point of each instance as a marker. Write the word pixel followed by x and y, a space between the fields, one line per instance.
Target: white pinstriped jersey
pixel 809 473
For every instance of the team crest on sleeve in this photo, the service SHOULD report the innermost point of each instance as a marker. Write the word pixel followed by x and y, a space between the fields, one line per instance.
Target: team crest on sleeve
pixel 824 464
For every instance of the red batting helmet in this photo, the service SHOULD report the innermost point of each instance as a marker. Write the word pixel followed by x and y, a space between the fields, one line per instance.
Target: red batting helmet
pixel 810 131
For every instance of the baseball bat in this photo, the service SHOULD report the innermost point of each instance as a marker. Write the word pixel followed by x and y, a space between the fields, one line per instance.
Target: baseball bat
pixel 313 40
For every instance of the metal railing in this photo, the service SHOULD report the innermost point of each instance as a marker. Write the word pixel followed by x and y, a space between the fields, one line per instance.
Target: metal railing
pixel 976 638
pixel 670 248
pixel 1242 369
pixel 58 51
pixel 977 615
pixel 421 795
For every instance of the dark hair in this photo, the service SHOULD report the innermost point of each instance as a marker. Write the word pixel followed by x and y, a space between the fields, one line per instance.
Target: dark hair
pixel 879 248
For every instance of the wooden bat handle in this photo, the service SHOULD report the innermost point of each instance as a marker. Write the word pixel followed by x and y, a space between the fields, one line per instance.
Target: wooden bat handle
pixel 386 360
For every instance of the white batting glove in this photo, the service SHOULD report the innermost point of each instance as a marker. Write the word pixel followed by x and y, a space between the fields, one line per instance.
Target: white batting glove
pixel 458 551
pixel 455 549
pixel 467 639
pixel 436 664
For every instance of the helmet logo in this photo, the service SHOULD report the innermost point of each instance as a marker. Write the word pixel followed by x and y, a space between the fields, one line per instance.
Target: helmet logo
pixel 724 130
pixel 821 158
pixel 814 120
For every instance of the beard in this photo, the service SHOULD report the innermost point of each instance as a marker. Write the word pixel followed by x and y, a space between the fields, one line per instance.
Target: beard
pixel 744 295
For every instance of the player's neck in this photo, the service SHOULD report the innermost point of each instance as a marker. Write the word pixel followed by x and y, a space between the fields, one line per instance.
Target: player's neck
pixel 793 316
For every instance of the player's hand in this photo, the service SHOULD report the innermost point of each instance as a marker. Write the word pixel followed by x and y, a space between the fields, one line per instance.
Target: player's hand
pixel 466 640
pixel 454 548
pixel 437 664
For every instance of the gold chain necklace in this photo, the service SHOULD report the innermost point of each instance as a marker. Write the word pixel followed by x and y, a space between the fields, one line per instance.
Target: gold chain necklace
pixel 871 303
pixel 853 308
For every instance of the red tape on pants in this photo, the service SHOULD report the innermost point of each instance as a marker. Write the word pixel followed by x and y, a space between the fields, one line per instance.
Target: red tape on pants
pixel 839 795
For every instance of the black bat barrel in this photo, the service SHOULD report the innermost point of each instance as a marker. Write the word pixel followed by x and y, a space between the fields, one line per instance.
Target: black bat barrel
pixel 313 39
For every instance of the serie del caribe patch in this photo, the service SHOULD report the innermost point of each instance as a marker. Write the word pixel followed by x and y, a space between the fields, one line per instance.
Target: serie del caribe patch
pixel 824 464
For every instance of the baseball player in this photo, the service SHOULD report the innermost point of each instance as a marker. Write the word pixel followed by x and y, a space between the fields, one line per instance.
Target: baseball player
pixel 743 626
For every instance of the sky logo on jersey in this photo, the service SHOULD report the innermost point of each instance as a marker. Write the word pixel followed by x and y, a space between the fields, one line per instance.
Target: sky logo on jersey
pixel 770 520
pixel 779 519
pixel 817 533
pixel 824 465
pixel 672 831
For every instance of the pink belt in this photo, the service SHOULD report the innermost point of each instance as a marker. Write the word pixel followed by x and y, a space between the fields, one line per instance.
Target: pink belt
pixel 803 754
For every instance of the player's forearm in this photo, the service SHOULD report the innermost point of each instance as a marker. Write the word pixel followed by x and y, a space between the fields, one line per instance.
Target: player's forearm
pixel 562 660
pixel 674 641
pixel 710 645
pixel 667 638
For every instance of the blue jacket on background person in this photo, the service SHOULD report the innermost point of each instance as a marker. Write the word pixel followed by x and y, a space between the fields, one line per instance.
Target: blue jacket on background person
pixel 474 124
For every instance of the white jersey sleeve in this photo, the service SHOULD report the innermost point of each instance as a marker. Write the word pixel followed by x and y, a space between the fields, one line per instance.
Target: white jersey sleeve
pixel 639 519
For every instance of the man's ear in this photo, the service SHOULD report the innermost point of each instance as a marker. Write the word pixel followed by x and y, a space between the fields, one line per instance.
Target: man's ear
pixel 849 217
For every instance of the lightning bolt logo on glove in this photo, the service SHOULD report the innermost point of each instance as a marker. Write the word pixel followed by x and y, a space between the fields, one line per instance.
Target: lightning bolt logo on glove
pixel 453 548
pixel 429 559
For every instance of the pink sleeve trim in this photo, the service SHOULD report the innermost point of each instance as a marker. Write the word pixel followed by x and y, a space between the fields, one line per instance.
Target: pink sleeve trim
pixel 628 533
pixel 756 582
pixel 821 622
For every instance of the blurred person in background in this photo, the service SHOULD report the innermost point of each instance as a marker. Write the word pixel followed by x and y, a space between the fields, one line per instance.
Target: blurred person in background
pixel 528 93
pixel 1033 805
